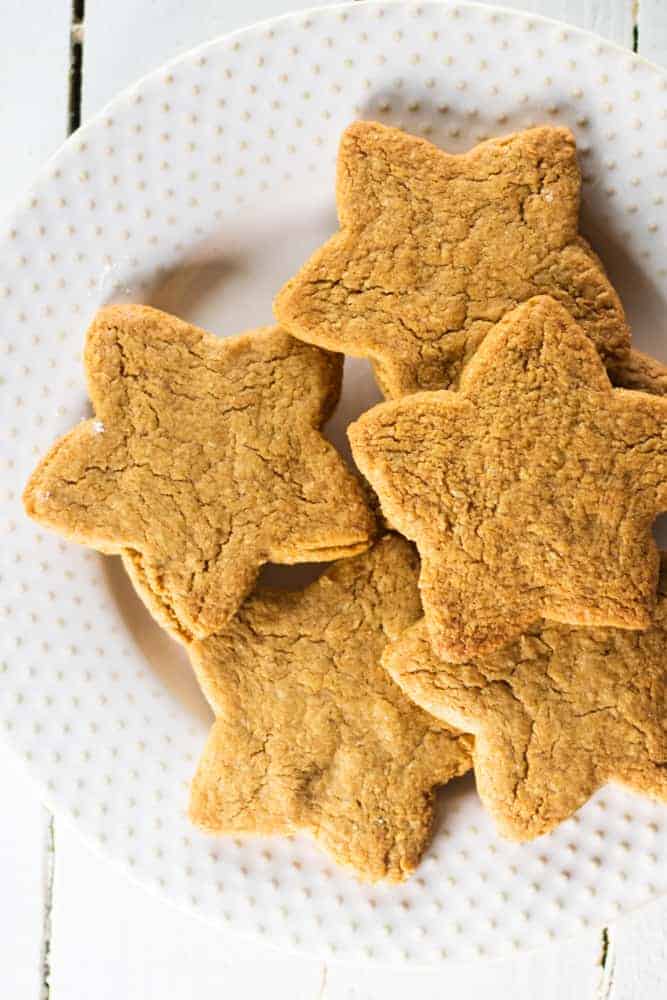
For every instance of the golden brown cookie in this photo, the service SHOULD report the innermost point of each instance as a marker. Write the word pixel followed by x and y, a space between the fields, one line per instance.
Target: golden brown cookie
pixel 530 492
pixel 203 462
pixel 555 714
pixel 635 370
pixel 310 732
pixel 434 249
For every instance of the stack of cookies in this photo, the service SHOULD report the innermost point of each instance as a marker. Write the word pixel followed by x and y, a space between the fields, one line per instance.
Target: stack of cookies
pixel 527 634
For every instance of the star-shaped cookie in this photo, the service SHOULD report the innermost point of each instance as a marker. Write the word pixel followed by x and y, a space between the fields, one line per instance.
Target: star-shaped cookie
pixel 204 461
pixel 635 370
pixel 434 249
pixel 530 492
pixel 555 714
pixel 310 732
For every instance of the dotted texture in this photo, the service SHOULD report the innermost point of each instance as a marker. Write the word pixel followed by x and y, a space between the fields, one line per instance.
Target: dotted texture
pixel 201 190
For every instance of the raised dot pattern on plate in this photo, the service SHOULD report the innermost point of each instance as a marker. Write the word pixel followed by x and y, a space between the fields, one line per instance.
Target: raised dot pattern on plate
pixel 200 190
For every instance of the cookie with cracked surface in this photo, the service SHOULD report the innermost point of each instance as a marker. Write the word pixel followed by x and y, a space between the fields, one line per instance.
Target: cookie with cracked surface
pixel 555 714
pixel 435 248
pixel 310 732
pixel 530 492
pixel 204 461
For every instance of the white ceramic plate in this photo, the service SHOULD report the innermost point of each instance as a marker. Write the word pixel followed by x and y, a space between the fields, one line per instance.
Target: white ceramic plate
pixel 200 190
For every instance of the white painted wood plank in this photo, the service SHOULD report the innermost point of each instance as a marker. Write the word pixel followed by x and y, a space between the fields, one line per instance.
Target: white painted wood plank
pixel 147 32
pixel 133 945
pixel 24 876
pixel 33 88
pixel 636 966
pixel 652 28
pixel 33 121
pixel 613 19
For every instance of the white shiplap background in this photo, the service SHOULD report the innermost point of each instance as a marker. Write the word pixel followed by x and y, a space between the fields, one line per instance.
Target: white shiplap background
pixel 70 927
